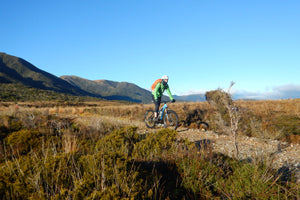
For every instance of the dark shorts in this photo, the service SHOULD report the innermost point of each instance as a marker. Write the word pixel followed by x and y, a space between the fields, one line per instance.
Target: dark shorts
pixel 156 103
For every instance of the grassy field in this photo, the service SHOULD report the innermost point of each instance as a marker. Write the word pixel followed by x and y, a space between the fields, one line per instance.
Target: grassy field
pixel 95 150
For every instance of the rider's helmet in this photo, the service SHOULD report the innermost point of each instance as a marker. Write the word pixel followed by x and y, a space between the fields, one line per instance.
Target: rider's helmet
pixel 165 77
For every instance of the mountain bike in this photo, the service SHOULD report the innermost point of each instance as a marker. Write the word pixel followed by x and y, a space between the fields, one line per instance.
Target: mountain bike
pixel 166 117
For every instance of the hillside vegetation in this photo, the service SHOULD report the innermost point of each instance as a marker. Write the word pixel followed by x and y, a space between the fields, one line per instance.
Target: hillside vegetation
pixel 20 74
pixel 111 90
pixel 90 150
pixel 19 71
pixel 11 92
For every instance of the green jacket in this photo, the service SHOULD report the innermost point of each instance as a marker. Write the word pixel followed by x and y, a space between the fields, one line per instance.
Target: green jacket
pixel 159 90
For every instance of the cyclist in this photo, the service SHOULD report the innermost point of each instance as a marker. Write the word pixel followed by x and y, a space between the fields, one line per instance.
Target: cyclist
pixel 158 88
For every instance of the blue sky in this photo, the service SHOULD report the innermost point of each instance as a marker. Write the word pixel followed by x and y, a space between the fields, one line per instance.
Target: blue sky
pixel 202 45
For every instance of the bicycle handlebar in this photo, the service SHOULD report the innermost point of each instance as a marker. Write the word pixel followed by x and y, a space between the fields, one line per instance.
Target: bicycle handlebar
pixel 167 102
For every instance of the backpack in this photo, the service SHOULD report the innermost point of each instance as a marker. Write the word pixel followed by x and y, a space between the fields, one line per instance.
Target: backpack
pixel 155 83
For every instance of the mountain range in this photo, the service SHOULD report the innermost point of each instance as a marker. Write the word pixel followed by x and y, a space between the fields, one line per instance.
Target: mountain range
pixel 15 70
pixel 111 90
pixel 19 71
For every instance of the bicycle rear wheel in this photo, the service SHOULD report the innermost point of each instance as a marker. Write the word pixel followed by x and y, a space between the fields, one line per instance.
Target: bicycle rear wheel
pixel 149 119
pixel 171 119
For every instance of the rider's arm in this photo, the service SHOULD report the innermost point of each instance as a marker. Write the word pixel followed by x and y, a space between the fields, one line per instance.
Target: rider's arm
pixel 169 93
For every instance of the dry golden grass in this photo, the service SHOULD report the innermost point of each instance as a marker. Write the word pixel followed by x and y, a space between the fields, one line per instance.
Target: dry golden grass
pixel 111 108
pixel 269 107
pixel 274 119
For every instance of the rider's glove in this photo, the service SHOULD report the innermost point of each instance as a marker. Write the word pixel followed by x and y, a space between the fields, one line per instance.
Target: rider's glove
pixel 173 100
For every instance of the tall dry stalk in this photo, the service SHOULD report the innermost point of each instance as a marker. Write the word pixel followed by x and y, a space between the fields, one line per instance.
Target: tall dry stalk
pixel 222 100
pixel 234 119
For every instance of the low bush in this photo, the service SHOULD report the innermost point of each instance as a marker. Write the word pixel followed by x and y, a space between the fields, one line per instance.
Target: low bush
pixel 23 141
pixel 156 145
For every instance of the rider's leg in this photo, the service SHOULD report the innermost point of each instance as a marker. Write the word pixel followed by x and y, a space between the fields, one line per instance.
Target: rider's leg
pixel 157 104
pixel 157 108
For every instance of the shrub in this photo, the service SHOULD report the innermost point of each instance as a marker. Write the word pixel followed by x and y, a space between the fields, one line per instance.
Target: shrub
pixel 252 181
pixel 11 123
pixel 156 145
pixel 22 141
pixel 120 143
pixel 220 99
pixel 225 178
pixel 110 168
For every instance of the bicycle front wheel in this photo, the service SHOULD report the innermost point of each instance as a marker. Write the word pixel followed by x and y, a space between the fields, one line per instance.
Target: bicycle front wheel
pixel 171 119
pixel 149 119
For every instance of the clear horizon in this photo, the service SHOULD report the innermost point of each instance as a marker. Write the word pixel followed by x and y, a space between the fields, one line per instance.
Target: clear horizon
pixel 201 45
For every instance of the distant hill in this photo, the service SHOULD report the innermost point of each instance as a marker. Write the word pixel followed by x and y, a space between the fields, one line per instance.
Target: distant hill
pixel 111 90
pixel 18 71
pixel 22 76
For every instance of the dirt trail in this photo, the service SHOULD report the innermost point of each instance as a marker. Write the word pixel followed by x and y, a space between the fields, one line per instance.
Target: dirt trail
pixel 279 154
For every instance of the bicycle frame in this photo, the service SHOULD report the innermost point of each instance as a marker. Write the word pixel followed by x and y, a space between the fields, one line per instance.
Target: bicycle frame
pixel 166 117
pixel 162 110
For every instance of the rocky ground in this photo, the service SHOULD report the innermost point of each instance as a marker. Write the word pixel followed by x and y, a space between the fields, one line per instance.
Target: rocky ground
pixel 280 155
